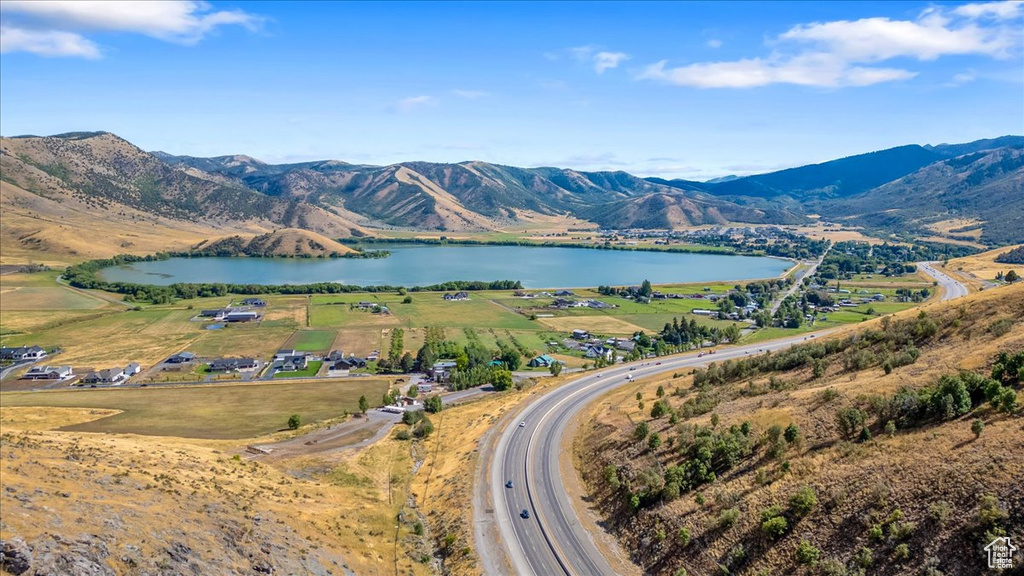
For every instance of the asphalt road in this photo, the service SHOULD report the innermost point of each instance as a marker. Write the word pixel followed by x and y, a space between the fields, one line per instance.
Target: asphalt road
pixel 552 540
pixel 950 288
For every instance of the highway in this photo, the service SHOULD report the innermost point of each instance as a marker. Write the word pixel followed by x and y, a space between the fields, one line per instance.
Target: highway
pixel 950 288
pixel 552 540
pixel 528 452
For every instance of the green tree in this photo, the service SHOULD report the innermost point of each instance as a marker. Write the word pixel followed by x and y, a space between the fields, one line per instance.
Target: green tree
pixel 977 426
pixel 294 421
pixel 407 363
pixel 850 420
pixel 364 404
pixel 433 404
pixel 645 289
pixel 641 431
pixel 407 300
pixel 807 554
pixel 659 392
pixel 792 433
pixel 555 368
pixel 412 391
pixel 653 441
pixel 1011 276
pixel 501 380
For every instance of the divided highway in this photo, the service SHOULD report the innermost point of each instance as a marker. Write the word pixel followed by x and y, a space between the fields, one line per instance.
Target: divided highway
pixel 528 452
pixel 950 288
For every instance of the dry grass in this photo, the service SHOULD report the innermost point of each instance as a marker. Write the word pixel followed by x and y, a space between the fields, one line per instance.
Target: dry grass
pixel 143 495
pixel 918 468
pixel 982 266
pixel 595 324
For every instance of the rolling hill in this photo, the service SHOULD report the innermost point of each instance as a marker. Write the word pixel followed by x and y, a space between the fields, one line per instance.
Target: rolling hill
pixel 55 181
pixel 285 242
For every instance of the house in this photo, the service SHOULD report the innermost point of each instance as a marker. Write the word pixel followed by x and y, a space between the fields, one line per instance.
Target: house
pixel 112 375
pixel 282 354
pixel 542 361
pixel 702 312
pixel 598 351
pixel 48 373
pixel 241 316
pixel 233 364
pixel 580 334
pixel 181 358
pixel 564 293
pixel 442 370
pixel 373 356
pixel 878 297
pixel 293 363
pixel 348 363
pixel 382 310
pixel 254 302
pixel 217 314
pixel 365 305
pixel 461 295
pixel 625 344
pixel 22 353
pixel 334 356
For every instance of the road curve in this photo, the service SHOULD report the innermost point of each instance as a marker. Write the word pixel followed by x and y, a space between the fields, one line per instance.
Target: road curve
pixel 528 453
pixel 950 288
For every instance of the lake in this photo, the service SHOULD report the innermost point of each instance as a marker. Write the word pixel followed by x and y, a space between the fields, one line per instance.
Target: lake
pixel 422 265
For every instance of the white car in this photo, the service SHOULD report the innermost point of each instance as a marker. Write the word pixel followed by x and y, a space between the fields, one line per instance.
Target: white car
pixel 522 424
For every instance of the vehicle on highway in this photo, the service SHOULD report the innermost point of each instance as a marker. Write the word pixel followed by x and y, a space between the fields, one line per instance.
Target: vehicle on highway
pixel 599 375
pixel 629 376
pixel 509 484
pixel 632 368
pixel 522 424
pixel 525 514
pixel 657 363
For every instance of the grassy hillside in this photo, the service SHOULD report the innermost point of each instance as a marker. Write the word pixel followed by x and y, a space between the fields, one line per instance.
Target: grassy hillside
pixel 788 463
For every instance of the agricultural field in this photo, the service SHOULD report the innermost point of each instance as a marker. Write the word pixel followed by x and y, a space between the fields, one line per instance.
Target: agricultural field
pixel 311 340
pixel 214 412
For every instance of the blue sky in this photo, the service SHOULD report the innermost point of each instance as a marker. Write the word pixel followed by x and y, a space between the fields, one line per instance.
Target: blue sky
pixel 692 90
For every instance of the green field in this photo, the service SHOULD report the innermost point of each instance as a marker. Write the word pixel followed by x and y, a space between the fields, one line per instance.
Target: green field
pixel 217 412
pixel 311 340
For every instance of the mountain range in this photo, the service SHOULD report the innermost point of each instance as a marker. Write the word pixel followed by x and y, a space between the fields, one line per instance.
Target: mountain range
pixel 908 189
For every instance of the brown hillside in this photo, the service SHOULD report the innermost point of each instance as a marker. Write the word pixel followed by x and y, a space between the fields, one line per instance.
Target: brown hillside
pixel 284 242
pixel 924 499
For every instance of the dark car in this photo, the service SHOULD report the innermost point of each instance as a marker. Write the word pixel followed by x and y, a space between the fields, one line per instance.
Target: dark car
pixel 508 484
pixel 525 514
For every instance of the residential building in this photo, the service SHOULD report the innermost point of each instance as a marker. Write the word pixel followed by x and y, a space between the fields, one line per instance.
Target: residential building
pixel 542 361
pixel 442 370
pixel 112 375
pixel 233 364
pixel 22 353
pixel 293 363
pixel 580 334
pixel 48 373
pixel 181 358
pixel 241 316
pixel 254 302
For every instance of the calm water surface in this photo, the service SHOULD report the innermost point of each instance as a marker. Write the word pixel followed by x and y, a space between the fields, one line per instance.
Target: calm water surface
pixel 417 265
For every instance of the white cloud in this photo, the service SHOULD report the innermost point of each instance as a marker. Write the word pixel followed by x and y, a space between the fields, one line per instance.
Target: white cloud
pixel 56 28
pixel 714 43
pixel 961 79
pixel 470 94
pixel 607 60
pixel 414 103
pixel 49 43
pixel 996 10
pixel 846 53
pixel 600 60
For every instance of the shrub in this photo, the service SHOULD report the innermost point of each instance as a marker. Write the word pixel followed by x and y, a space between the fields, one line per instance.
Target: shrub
pixel 875 533
pixel 294 421
pixel 807 554
pixel 403 435
pixel 417 528
pixel 850 420
pixel 684 536
pixel 792 433
pixel 977 426
pixel 828 395
pixel 901 552
pixel 653 441
pixel 641 431
pixel 890 428
pixel 940 512
pixel 865 434
pixel 727 518
pixel 775 527
pixel 864 558
pixel 901 530
pixel 803 501
pixel 611 476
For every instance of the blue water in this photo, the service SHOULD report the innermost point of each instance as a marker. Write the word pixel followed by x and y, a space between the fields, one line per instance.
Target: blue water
pixel 421 265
